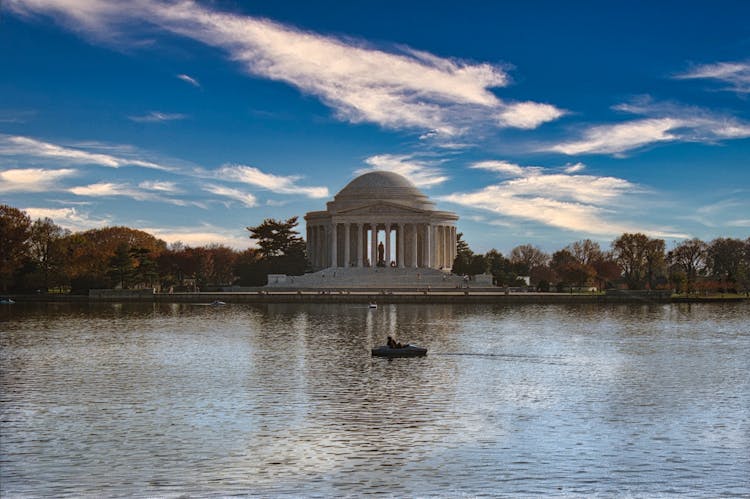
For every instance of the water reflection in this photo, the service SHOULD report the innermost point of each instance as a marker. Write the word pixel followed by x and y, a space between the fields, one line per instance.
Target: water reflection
pixel 278 399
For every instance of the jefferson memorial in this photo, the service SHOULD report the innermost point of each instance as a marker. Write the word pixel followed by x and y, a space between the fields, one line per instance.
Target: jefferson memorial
pixel 381 219
pixel 379 231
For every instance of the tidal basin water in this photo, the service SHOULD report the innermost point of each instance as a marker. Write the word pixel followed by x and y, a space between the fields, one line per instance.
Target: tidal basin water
pixel 285 400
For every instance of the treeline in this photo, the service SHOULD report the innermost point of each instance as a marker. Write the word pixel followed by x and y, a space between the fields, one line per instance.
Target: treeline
pixel 41 256
pixel 633 261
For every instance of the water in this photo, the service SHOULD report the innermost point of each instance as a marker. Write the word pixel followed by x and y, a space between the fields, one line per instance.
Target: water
pixel 169 400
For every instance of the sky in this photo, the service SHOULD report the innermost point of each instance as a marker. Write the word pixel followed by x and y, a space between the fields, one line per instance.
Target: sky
pixel 538 123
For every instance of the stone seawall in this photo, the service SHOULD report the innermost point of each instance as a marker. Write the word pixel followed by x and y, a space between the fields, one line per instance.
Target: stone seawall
pixel 415 297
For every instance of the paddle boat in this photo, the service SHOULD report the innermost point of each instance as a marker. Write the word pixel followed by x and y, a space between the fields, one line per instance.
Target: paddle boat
pixel 405 351
pixel 6 301
pixel 217 303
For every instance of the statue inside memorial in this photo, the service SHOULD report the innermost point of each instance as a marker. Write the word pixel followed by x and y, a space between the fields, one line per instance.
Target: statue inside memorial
pixel 381 259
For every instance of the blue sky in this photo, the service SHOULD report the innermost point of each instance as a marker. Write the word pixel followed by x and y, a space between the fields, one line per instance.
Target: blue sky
pixel 537 122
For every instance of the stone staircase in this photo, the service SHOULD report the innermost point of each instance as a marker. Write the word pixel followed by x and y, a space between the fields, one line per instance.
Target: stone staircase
pixel 367 277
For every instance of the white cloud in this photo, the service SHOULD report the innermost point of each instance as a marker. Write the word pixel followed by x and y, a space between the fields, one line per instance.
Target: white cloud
pixel 111 189
pixel 608 139
pixel 189 79
pixel 32 179
pixel 68 218
pixel 575 168
pixel 274 183
pixel 160 186
pixel 158 117
pixel 202 235
pixel 503 167
pixel 662 122
pixel 33 149
pixel 420 173
pixel 528 115
pixel 400 88
pixel 739 223
pixel 245 198
pixel 579 203
pixel 736 74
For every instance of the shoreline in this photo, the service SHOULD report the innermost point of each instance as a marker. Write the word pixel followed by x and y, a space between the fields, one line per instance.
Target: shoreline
pixel 380 297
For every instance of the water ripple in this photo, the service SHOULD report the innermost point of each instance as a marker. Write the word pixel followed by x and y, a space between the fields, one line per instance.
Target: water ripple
pixel 285 400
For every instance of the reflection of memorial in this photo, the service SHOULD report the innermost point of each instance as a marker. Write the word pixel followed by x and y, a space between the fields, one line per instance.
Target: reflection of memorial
pixel 381 217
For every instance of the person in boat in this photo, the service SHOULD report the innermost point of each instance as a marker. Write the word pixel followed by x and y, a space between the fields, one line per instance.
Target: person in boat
pixel 394 344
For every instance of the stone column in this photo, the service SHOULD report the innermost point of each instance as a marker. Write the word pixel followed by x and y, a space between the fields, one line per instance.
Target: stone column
pixel 442 246
pixel 374 245
pixel 347 245
pixel 334 244
pixel 400 244
pixel 308 232
pixel 428 246
pixel 447 245
pixel 387 245
pixel 360 237
pixel 323 247
pixel 415 245
pixel 316 237
pixel 453 244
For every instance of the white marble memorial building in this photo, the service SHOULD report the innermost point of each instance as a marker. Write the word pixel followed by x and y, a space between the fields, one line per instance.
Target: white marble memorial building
pixel 380 219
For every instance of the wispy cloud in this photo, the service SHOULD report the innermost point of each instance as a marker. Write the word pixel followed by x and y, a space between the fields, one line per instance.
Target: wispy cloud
pixel 574 168
pixel 735 74
pixel 399 88
pixel 16 115
pixel 112 189
pixel 662 122
pixel 68 218
pixel 201 235
pixel 609 139
pixel 160 186
pixel 189 79
pixel 274 183
pixel 579 203
pixel 721 213
pixel 29 148
pixel 502 167
pixel 421 173
pixel 33 179
pixel 157 117
pixel 245 198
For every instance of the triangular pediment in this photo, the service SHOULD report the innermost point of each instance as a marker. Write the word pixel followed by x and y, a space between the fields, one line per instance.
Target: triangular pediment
pixel 381 208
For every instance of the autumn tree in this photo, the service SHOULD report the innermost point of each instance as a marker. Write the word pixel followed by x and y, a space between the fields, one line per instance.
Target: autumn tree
pixel 689 257
pixel 569 270
pixel 47 254
pixel 606 269
pixel 655 262
pixel 639 257
pixel 525 257
pixel 585 251
pixel 15 228
pixel 90 253
pixel 224 259
pixel 724 257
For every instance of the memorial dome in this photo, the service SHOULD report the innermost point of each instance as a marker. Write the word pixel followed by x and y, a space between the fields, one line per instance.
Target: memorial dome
pixel 382 186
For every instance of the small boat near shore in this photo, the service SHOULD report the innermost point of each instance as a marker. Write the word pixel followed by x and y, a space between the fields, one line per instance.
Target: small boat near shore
pixel 7 301
pixel 407 351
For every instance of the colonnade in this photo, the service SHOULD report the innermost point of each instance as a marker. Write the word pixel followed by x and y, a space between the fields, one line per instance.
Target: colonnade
pixel 417 244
